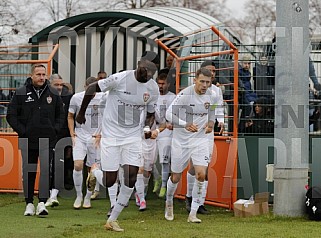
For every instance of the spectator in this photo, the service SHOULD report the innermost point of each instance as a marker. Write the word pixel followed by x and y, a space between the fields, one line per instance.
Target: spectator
pixel 3 97
pixel 263 76
pixel 261 121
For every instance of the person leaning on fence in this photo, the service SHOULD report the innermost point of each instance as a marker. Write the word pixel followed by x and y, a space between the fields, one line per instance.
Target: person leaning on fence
pixel 36 113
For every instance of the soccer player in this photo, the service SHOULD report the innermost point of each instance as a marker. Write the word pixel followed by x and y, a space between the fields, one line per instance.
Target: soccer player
pixel 113 190
pixel 219 113
pixel 164 139
pixel 83 140
pixel 130 92
pixel 192 114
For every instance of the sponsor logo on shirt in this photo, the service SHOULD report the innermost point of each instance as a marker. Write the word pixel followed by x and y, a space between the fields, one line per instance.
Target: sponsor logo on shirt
pixel 197 114
pixel 140 107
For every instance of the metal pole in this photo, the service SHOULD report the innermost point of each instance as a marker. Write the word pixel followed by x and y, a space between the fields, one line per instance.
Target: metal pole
pixel 291 111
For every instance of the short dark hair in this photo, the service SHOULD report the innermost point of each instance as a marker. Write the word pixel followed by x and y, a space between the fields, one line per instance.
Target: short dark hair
pixel 207 63
pixel 34 66
pixel 162 77
pixel 90 80
pixel 203 71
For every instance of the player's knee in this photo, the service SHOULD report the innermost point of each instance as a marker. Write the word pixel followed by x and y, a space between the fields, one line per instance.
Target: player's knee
pixel 175 177
pixel 109 179
pixel 200 176
pixel 78 165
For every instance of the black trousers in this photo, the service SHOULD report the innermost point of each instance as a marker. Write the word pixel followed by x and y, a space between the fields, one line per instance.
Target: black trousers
pixel 30 159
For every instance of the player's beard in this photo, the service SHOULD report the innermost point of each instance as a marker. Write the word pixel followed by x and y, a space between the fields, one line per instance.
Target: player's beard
pixel 142 79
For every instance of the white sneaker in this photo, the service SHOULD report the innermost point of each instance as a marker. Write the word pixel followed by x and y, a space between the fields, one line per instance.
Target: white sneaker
pixel 77 203
pixel 30 210
pixel 87 203
pixel 41 209
pixel 193 219
pixel 52 202
pixel 169 214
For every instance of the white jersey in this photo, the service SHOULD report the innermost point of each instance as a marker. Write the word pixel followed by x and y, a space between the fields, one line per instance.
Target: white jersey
pixel 190 107
pixel 92 115
pixel 163 103
pixel 126 100
pixel 219 110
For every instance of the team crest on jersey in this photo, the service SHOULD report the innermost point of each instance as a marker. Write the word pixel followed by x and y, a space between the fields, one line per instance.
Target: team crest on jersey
pixel 95 107
pixel 146 96
pixel 49 99
pixel 207 105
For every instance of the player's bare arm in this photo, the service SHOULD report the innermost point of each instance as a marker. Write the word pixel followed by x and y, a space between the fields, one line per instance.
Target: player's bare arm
pixel 89 95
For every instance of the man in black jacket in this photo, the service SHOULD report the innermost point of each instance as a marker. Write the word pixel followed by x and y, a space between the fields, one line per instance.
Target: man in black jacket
pixel 36 113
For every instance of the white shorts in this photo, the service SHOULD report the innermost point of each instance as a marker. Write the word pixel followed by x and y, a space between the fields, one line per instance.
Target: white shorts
pixel 83 148
pixel 149 154
pixel 164 150
pixel 112 156
pixel 181 156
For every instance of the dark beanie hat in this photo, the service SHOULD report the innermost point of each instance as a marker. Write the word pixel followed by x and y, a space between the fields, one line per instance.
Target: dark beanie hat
pixel 150 56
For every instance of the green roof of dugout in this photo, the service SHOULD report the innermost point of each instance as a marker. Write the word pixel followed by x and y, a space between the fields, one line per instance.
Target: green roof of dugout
pixel 155 22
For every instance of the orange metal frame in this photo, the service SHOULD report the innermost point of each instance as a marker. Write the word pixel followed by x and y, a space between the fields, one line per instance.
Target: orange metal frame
pixel 222 172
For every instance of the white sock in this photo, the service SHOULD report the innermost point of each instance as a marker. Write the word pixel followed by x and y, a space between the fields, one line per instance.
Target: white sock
pixel 112 192
pixel 139 185
pixel 146 181
pixel 190 184
pixel 97 187
pixel 99 177
pixel 77 176
pixel 88 194
pixel 204 191
pixel 54 193
pixel 196 196
pixel 123 198
pixel 155 172
pixel 171 188
pixel 165 174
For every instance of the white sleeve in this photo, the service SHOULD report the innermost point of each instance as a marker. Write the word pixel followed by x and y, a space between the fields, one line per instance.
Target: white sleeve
pixel 219 110
pixel 73 107
pixel 173 111
pixel 109 83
